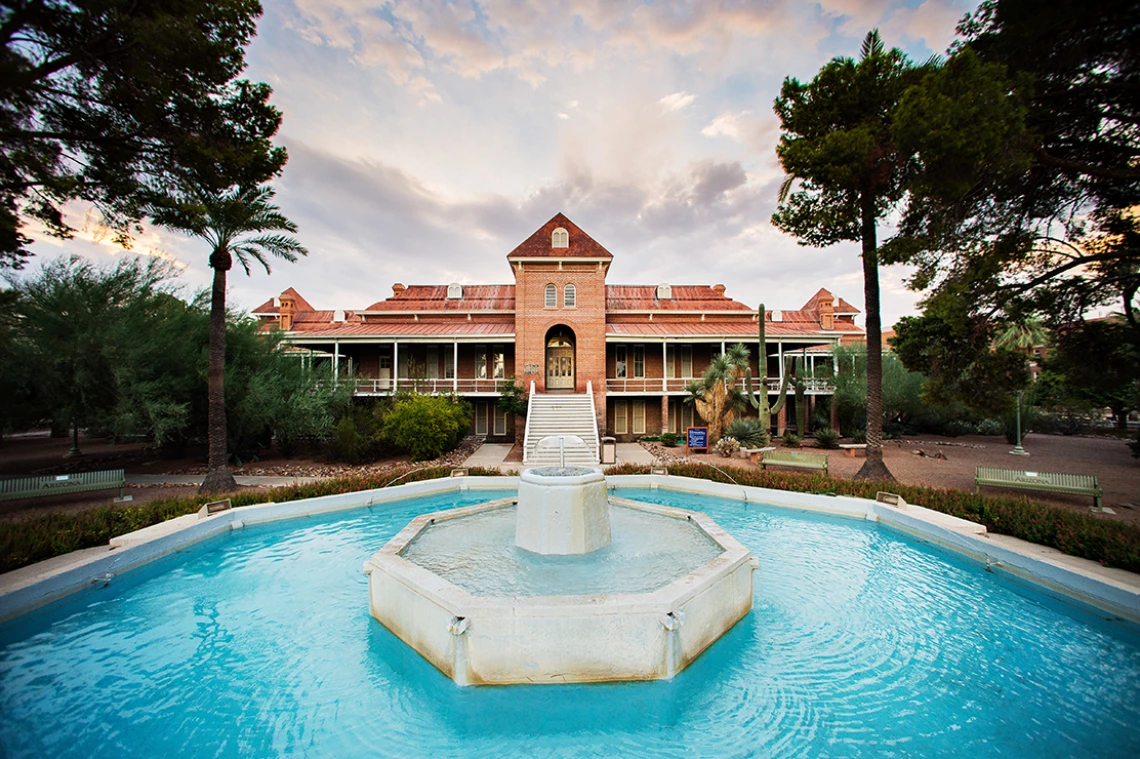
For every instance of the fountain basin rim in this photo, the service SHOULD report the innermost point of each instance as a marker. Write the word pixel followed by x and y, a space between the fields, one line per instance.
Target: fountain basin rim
pixel 455 599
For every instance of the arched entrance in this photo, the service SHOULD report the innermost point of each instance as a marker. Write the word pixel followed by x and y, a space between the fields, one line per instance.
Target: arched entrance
pixel 560 358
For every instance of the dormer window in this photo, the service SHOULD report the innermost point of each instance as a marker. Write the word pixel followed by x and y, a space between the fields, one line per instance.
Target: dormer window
pixel 454 291
pixel 560 238
pixel 551 296
pixel 664 292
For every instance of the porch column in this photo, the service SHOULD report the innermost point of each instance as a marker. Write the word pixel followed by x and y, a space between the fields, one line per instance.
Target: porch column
pixel 722 347
pixel 779 364
pixel 395 365
pixel 336 358
pixel 455 366
pixel 664 376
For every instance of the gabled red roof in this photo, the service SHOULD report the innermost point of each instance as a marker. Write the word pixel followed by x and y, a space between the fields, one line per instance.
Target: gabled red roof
pixel 539 245
pixel 842 307
pixel 684 298
pixel 269 307
pixel 434 298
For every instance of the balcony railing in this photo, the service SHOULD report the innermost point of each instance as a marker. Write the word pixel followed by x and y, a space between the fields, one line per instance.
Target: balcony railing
pixel 370 386
pixel 676 384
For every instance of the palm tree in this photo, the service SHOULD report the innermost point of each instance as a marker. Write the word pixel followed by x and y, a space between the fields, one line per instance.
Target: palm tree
pixel 241 222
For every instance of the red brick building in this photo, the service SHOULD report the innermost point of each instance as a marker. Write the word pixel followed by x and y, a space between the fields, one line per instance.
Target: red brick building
pixel 562 327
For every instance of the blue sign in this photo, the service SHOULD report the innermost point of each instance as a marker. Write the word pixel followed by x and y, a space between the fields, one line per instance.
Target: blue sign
pixel 697 438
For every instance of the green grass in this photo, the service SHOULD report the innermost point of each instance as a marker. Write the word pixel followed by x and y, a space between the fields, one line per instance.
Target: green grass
pixel 1113 544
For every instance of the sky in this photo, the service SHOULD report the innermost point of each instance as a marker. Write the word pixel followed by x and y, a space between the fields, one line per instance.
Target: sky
pixel 427 139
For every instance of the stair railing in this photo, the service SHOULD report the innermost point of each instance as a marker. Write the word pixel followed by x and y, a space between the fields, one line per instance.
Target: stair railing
pixel 529 416
pixel 594 418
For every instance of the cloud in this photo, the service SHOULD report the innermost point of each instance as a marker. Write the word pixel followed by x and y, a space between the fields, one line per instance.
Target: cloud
pixel 677 101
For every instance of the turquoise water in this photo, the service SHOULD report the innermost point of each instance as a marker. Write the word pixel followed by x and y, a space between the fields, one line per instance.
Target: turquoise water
pixel 861 643
pixel 478 553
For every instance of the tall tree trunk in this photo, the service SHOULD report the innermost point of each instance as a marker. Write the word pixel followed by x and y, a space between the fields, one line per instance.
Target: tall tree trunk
pixel 219 479
pixel 873 468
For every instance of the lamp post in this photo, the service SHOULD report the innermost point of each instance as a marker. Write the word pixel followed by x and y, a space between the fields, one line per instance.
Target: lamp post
pixel 1017 449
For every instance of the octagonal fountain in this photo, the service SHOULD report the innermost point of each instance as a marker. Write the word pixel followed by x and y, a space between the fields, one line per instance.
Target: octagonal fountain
pixel 560 585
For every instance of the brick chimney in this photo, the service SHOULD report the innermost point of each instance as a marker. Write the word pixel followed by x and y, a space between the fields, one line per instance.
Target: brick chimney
pixel 286 312
pixel 718 289
pixel 398 288
pixel 827 312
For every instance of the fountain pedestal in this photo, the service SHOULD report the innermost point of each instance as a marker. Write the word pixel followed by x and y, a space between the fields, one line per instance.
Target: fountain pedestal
pixel 562 511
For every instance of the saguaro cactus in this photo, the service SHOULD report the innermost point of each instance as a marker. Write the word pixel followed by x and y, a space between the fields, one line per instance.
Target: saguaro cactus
pixel 759 401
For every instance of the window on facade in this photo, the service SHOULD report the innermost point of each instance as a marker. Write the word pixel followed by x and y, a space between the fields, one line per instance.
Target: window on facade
pixel 481 418
pixel 639 417
pixel 560 238
pixel 619 361
pixel 481 363
pixel 386 361
pixel 500 365
pixel 449 364
pixel 551 296
pixel 664 292
pixel 454 291
pixel 500 421
pixel 621 422
pixel 432 362
pixel 639 361
pixel 570 296
pixel 686 361
pixel 670 361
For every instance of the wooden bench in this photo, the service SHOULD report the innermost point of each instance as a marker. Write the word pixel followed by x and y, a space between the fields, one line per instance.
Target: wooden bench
pixel 795 459
pixel 754 454
pixel 850 448
pixel 34 487
pixel 1053 482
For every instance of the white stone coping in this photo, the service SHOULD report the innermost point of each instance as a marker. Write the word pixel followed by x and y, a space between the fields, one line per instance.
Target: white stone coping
pixel 1113 590
pixel 460 602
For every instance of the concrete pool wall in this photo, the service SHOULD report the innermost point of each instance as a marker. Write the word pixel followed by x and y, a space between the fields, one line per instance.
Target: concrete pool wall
pixel 1114 591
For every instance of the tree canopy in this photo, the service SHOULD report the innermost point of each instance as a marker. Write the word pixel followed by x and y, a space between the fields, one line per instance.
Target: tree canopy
pixel 1027 143
pixel 114 102
pixel 839 144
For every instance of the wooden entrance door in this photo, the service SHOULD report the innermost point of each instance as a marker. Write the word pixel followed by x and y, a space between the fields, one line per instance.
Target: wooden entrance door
pixel 559 363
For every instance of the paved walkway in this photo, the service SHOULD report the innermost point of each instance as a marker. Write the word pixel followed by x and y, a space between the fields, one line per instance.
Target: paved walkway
pixel 493 456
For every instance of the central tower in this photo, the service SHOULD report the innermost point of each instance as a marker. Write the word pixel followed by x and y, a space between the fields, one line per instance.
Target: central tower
pixel 560 311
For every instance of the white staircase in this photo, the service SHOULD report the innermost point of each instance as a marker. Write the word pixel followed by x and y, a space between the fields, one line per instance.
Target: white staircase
pixel 561 414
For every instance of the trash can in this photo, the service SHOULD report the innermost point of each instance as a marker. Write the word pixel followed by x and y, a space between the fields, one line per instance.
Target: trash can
pixel 609 450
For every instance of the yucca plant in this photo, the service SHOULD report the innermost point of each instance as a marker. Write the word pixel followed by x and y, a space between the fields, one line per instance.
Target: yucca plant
pixel 827 438
pixel 749 432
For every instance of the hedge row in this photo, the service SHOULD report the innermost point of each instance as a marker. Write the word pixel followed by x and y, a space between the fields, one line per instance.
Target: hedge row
pixel 1113 544
pixel 31 540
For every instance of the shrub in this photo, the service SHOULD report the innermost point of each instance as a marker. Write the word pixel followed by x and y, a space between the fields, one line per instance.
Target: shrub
pixel 728 446
pixel 956 427
pixel 669 439
pixel 30 540
pixel 1135 446
pixel 749 432
pixel 1114 544
pixel 827 438
pixel 791 440
pixel 859 436
pixel 991 427
pixel 427 425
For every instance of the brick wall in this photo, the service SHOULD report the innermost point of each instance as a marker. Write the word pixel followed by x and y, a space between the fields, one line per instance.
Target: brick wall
pixel 587 320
